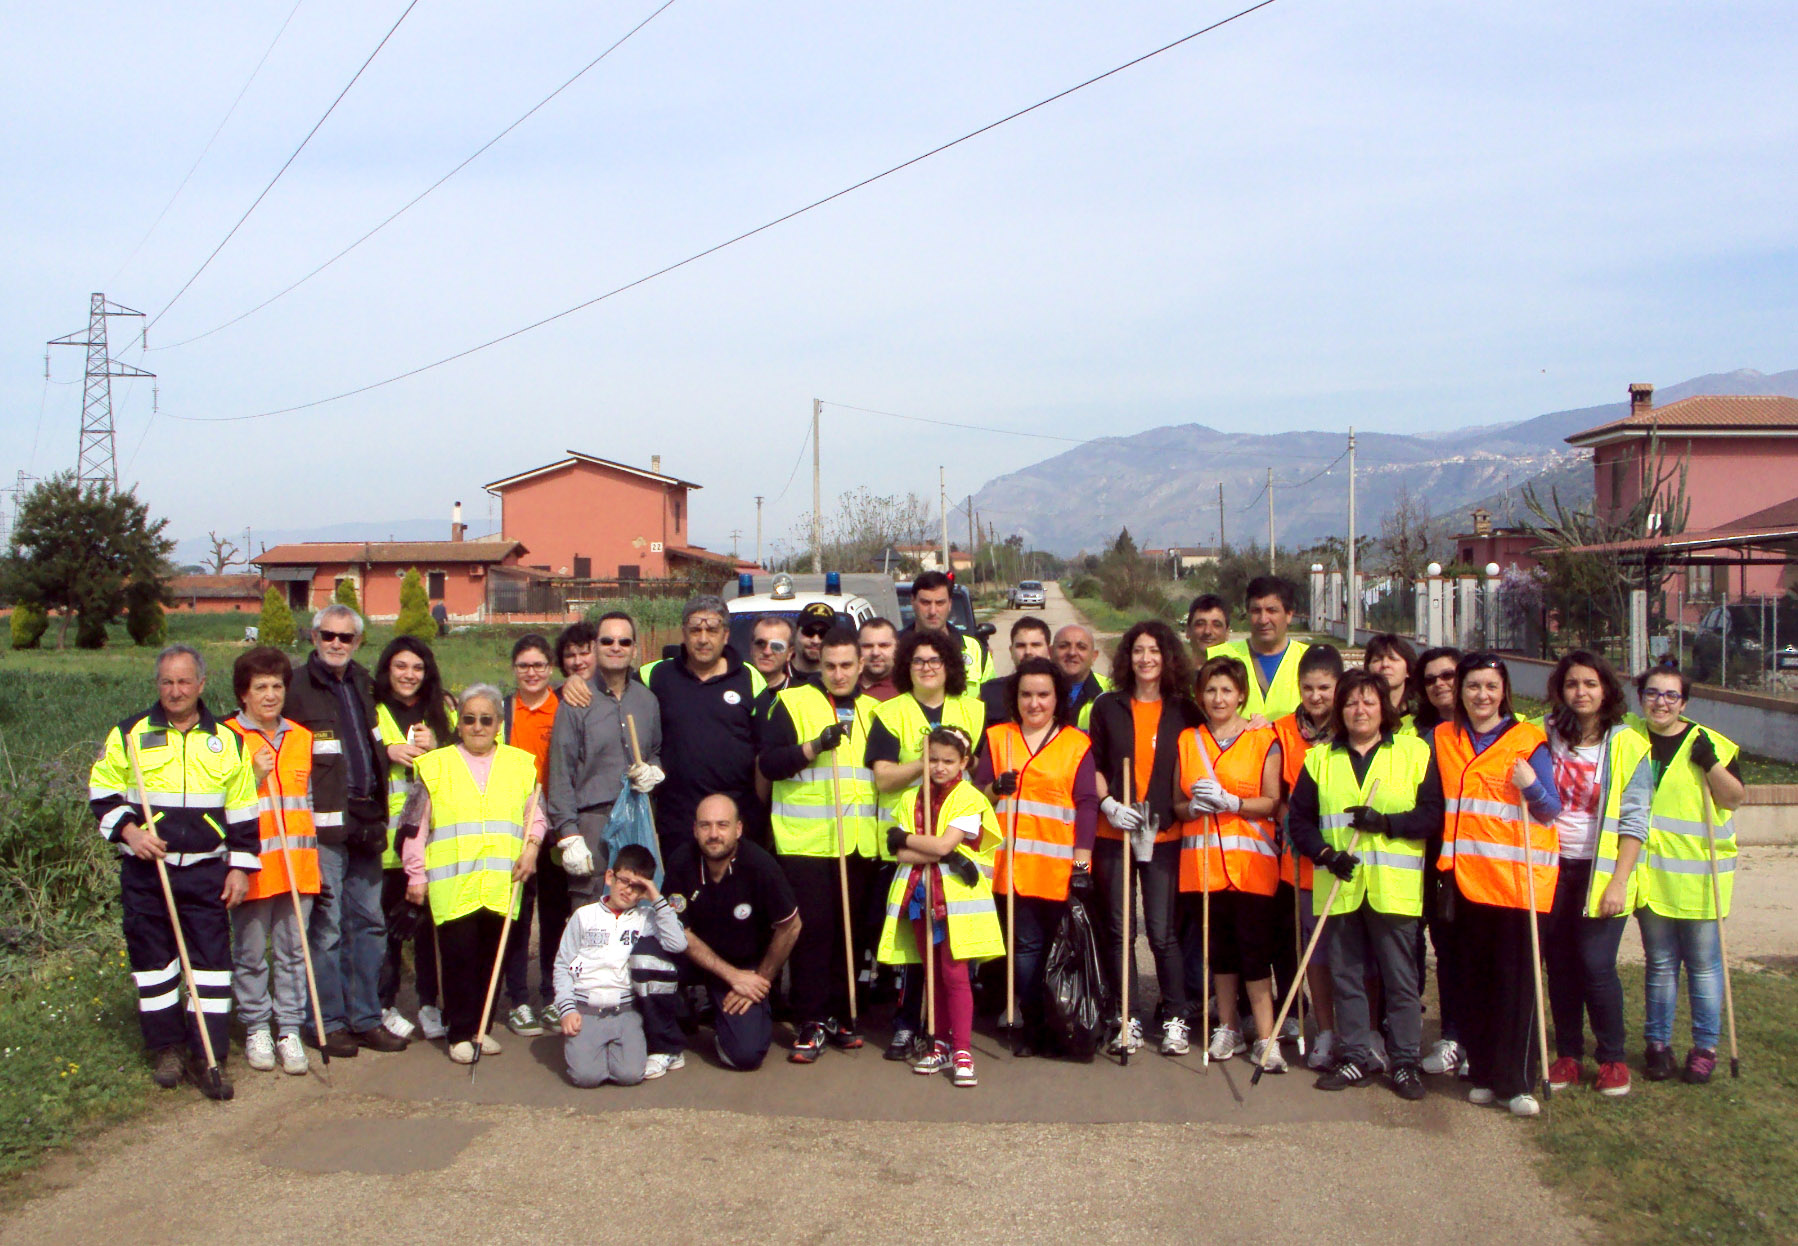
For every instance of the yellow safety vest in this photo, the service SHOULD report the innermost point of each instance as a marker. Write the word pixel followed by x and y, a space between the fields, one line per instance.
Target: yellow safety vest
pixel 1676 880
pixel 803 813
pixel 1282 695
pixel 476 836
pixel 974 932
pixel 399 778
pixel 904 717
pixel 1624 751
pixel 1390 877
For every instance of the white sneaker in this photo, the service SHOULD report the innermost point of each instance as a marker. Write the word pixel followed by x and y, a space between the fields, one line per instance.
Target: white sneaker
pixel 1479 1096
pixel 395 1024
pixel 1289 1033
pixel 430 1022
pixel 1268 1052
pixel 1134 1041
pixel 1226 1043
pixel 462 1053
pixel 1524 1105
pixel 1174 1040
pixel 259 1050
pixel 293 1055
pixel 490 1045
pixel 1444 1057
pixel 1323 1050
pixel 661 1064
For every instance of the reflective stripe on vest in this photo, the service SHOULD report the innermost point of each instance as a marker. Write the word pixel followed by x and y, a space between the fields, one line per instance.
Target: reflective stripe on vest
pixel 1044 805
pixel 973 919
pixel 399 778
pixel 1241 850
pixel 904 718
pixel 284 812
pixel 476 836
pixel 803 813
pixel 1390 877
pixel 1482 830
pixel 1295 869
pixel 1675 880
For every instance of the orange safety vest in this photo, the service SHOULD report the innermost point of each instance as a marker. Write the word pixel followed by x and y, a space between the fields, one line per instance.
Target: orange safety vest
pixel 1482 834
pixel 287 789
pixel 1293 747
pixel 1243 855
pixel 1044 804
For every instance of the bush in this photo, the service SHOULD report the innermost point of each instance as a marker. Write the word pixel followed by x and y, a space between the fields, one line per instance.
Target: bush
pixel 275 626
pixel 90 630
pixel 58 880
pixel 346 596
pixel 415 609
pixel 146 620
pixel 1085 586
pixel 28 625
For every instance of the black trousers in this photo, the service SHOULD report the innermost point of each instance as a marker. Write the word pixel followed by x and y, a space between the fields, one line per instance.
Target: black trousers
pixel 156 964
pixel 424 951
pixel 820 984
pixel 1580 954
pixel 1154 887
pixel 1440 902
pixel 469 945
pixel 1498 1026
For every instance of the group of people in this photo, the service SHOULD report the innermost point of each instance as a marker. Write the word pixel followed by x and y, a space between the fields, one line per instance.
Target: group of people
pixel 850 817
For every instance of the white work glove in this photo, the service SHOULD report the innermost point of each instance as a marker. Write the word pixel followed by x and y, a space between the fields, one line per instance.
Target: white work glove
pixel 1123 817
pixel 577 858
pixel 1142 839
pixel 644 776
pixel 1209 795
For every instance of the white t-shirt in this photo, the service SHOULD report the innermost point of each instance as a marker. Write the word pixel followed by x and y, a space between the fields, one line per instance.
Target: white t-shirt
pixel 1576 779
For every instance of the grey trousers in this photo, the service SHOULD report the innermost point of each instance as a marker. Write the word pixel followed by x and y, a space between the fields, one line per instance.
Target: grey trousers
pixel 592 825
pixel 608 1049
pixel 1357 941
pixel 263 931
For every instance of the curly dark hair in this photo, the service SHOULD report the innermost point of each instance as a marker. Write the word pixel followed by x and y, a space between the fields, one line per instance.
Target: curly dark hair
pixel 1039 666
pixel 1176 663
pixel 430 692
pixel 955 667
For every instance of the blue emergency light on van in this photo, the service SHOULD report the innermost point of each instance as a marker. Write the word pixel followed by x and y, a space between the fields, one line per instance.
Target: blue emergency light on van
pixel 745 584
pixel 833 583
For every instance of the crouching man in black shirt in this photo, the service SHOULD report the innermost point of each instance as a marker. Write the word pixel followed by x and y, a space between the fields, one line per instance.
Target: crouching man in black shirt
pixel 742 922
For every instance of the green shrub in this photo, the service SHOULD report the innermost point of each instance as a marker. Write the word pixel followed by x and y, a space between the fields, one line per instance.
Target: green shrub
pixel 346 596
pixel 415 609
pixel 146 620
pixel 275 626
pixel 1086 586
pixel 28 625
pixel 90 630
pixel 58 878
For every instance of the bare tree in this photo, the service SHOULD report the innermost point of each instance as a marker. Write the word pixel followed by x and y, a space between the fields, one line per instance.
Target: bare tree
pixel 223 554
pixel 865 525
pixel 1405 537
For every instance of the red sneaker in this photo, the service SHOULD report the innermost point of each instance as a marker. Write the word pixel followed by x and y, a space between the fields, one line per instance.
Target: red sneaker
pixel 1563 1073
pixel 1613 1079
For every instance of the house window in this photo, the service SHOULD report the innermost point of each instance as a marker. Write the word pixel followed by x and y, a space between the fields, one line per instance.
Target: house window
pixel 1701 581
pixel 298 592
pixel 434 585
pixel 583 567
pixel 677 510
pixel 629 571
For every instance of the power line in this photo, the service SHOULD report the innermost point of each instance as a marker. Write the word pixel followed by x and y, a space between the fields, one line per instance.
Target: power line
pixel 278 172
pixel 416 199
pixel 1293 484
pixel 209 142
pixel 745 235
pixel 800 458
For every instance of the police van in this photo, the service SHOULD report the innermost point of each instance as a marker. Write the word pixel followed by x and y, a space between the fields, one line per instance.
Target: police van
pixel 787 595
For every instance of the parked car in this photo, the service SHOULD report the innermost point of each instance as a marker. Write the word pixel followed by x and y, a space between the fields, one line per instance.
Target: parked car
pixel 1750 649
pixel 1028 595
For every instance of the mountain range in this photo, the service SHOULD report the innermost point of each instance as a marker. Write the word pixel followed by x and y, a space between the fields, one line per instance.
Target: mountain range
pixel 1163 483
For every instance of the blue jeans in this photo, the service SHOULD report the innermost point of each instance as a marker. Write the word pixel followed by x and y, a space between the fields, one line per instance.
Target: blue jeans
pixel 348 932
pixel 1666 942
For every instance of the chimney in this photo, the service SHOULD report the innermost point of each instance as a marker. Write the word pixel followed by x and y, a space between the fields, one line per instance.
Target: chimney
pixel 1482 521
pixel 1641 398
pixel 458 529
pixel 655 464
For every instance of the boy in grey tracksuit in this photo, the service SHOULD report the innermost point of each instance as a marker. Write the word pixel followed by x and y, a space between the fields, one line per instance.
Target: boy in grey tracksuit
pixel 606 949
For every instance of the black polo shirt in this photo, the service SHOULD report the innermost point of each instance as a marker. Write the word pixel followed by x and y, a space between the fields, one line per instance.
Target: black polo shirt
pixel 736 915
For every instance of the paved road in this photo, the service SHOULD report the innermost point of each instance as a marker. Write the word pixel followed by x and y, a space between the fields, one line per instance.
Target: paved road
pixel 1057 612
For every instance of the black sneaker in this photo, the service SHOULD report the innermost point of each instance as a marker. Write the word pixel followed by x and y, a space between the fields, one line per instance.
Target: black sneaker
pixel 169 1067
pixel 1348 1073
pixel 809 1045
pixel 842 1036
pixel 901 1048
pixel 1407 1082
pixel 1658 1064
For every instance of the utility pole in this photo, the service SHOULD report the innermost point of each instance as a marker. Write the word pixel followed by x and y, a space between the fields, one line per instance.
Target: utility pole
pixel 758 529
pixel 1270 521
pixel 96 462
pixel 1354 597
pixel 734 534
pixel 942 504
pixel 1222 548
pixel 817 497
pixel 973 543
pixel 9 519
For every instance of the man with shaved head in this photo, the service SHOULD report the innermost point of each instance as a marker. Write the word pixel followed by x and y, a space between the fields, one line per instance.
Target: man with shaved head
pixel 1076 649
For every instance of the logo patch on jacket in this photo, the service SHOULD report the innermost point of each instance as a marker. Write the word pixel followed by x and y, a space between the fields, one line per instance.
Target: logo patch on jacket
pixel 215 744
pixel 732 696
pixel 741 912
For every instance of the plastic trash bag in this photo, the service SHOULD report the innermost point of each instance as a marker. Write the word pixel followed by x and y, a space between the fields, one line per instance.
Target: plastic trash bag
pixel 1074 984
pixel 631 823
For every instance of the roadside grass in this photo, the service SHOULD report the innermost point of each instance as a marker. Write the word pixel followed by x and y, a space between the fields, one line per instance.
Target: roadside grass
pixel 1677 1163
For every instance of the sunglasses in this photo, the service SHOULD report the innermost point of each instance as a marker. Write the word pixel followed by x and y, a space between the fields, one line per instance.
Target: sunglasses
pixel 342 638
pixel 1441 677
pixel 616 642
pixel 772 646
pixel 479 720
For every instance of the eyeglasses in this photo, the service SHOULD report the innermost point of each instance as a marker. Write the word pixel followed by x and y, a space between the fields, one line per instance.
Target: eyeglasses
pixel 705 629
pixel 479 720
pixel 1670 697
pixel 530 668
pixel 617 642
pixel 342 638
pixel 926 663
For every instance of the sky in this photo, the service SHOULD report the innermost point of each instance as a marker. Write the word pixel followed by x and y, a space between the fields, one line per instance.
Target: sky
pixel 1402 216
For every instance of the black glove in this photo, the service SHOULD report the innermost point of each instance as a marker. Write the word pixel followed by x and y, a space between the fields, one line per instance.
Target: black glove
pixel 1342 864
pixel 402 919
pixel 1005 784
pixel 963 868
pixel 1080 883
pixel 1704 749
pixel 829 738
pixel 1367 818
pixel 896 838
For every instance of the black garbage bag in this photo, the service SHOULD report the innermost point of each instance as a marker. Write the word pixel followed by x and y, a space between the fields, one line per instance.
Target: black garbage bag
pixel 1074 985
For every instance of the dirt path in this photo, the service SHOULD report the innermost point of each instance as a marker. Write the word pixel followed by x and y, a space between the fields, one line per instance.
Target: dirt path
pixel 1057 612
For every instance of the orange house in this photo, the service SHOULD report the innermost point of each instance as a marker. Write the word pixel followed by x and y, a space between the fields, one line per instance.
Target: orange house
pixel 454 572
pixel 587 518
pixel 215 594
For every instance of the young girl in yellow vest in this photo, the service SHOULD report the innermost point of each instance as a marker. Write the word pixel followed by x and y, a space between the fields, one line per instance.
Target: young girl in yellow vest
pixel 1677 914
pixel 942 895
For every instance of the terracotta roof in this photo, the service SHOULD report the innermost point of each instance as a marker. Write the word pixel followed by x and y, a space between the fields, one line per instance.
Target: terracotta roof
pixel 1723 412
pixel 313 553
pixel 1779 515
pixel 701 555
pixel 575 456
pixel 216 585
